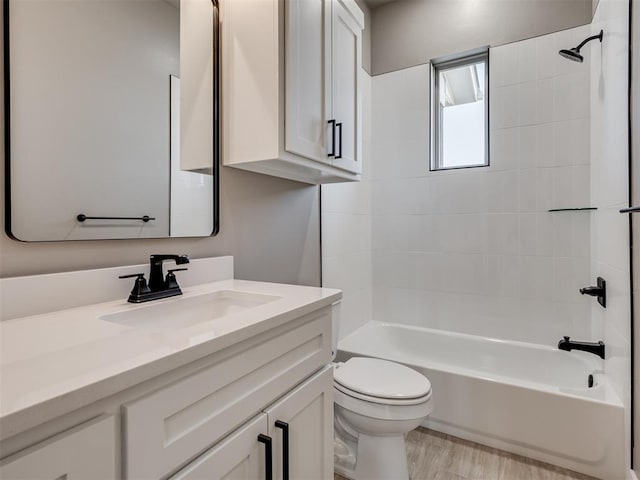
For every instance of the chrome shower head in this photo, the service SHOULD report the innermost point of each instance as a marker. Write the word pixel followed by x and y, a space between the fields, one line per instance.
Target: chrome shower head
pixel 574 55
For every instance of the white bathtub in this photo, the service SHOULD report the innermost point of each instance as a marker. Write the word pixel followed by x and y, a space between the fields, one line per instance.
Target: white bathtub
pixel 528 399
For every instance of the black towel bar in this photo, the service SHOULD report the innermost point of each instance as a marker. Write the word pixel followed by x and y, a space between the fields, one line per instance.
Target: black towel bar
pixel 572 209
pixel 145 218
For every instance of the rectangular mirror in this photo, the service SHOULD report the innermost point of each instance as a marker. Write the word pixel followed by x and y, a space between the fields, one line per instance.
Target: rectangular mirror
pixel 111 119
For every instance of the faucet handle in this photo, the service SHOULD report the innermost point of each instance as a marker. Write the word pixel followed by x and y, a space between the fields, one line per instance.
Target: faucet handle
pixel 176 270
pixel 140 286
pixel 170 281
pixel 566 338
pixel 139 275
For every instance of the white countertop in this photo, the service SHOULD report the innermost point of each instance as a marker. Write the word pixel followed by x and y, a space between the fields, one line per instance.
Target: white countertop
pixel 53 363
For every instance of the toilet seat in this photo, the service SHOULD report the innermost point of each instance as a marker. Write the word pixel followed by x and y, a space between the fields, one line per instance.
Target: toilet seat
pixel 381 381
pixel 381 400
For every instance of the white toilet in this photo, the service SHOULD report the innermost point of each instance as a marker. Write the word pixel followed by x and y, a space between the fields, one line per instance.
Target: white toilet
pixel 376 403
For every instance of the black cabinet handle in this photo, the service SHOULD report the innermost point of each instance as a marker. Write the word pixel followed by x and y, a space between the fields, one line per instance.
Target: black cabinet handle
pixel 332 153
pixel 268 456
pixel 339 126
pixel 285 448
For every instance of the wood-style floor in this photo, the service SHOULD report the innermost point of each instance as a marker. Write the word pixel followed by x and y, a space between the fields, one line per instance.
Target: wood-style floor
pixel 436 456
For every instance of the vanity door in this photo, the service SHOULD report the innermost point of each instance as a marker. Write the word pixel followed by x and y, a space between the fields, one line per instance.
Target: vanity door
pixel 301 425
pixel 242 456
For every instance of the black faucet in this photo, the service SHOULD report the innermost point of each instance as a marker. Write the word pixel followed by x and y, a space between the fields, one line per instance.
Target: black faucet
pixel 159 286
pixel 597 348
pixel 156 277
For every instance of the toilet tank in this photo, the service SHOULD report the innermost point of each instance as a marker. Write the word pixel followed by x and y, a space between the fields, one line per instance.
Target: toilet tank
pixel 335 328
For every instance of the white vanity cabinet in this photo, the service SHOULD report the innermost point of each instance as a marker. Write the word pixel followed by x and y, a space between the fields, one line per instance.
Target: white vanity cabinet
pixel 204 419
pixel 200 386
pixel 291 77
pixel 84 453
pixel 169 427
pixel 294 437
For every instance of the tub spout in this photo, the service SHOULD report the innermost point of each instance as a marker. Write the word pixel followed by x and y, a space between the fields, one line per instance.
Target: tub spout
pixel 597 348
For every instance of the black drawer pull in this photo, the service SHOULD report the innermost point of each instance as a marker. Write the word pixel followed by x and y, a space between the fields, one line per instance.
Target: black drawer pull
pixel 285 448
pixel 339 126
pixel 268 456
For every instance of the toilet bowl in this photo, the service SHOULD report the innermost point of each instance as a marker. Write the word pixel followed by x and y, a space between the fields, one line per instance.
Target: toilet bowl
pixel 376 403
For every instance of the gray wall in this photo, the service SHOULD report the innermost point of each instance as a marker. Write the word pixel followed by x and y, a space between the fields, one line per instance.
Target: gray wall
pixel 270 225
pixel 406 33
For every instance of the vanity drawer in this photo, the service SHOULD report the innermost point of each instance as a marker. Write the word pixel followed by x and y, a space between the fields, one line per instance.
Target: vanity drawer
pixel 169 427
pixel 86 452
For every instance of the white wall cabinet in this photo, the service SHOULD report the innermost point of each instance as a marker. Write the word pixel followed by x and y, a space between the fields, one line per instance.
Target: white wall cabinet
pixel 291 77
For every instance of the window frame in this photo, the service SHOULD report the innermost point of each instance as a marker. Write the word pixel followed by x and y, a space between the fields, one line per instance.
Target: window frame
pixel 435 114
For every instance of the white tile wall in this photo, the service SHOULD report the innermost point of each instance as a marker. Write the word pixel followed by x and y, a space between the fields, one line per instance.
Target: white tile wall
pixel 476 250
pixel 609 187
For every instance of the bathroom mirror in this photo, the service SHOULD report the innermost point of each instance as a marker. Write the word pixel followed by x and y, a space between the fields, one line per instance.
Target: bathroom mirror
pixel 111 119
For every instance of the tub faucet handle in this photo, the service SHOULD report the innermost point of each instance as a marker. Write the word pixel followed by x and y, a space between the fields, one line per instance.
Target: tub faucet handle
pixel 599 290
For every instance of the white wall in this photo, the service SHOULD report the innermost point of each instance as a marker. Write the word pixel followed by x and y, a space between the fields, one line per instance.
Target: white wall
pixel 609 187
pixel 476 250
pixel 346 234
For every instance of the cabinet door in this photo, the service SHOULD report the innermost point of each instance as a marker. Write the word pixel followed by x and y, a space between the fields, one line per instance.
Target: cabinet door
pixel 240 457
pixel 303 419
pixel 346 48
pixel 87 452
pixel 308 70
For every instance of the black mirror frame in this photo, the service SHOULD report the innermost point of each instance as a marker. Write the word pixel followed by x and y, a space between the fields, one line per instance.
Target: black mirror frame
pixel 7 132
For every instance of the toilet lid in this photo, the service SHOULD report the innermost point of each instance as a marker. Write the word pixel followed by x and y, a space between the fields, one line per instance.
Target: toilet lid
pixel 382 379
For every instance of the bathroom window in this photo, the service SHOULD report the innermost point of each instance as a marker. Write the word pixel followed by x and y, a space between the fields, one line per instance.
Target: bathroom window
pixel 460 112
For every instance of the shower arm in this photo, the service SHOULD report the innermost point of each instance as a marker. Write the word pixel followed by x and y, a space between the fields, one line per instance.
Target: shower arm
pixel 594 37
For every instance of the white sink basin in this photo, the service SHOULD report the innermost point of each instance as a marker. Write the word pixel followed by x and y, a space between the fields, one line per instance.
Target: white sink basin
pixel 188 311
